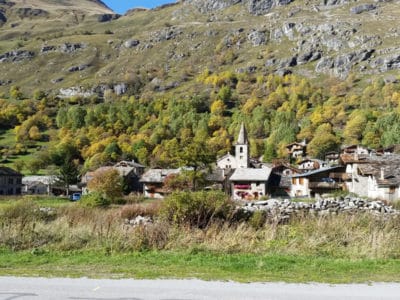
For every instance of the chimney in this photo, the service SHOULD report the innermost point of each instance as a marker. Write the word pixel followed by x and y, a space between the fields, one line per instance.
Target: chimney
pixel 382 173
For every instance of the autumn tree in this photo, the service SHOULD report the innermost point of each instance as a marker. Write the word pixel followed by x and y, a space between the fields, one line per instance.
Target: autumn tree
pixel 108 182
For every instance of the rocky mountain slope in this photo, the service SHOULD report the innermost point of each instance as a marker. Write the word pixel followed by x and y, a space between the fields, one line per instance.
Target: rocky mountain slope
pixel 82 48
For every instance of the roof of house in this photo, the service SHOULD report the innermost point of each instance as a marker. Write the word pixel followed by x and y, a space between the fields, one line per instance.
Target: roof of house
pixel 321 162
pixel 228 155
pixel 28 180
pixel 158 175
pixel 126 164
pixel 247 174
pixel 348 158
pixel 242 138
pixel 124 168
pixel 217 175
pixel 313 172
pixel 386 169
pixel 6 171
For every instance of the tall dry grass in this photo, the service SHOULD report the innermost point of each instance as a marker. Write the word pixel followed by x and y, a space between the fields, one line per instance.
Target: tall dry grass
pixel 22 227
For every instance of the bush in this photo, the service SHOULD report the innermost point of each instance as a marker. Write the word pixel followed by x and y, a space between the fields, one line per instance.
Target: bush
pixel 135 210
pixel 94 199
pixel 197 209
pixel 21 211
pixel 258 219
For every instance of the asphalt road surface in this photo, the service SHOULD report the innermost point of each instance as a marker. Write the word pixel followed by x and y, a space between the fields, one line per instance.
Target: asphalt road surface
pixel 91 289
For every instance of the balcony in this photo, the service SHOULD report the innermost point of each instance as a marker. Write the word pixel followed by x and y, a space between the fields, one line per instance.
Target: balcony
pixel 341 176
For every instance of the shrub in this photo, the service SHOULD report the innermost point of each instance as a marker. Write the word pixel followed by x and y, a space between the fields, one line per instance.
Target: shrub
pixel 196 208
pixel 94 199
pixel 258 219
pixel 21 212
pixel 132 211
pixel 133 198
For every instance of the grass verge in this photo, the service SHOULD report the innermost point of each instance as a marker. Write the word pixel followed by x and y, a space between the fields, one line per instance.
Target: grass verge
pixel 201 265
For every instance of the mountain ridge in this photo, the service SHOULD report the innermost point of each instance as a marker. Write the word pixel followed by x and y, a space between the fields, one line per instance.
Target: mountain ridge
pixel 311 38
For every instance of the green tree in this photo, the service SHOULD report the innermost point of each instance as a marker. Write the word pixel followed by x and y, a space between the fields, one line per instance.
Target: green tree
pixel 68 173
pixel 324 141
pixel 16 93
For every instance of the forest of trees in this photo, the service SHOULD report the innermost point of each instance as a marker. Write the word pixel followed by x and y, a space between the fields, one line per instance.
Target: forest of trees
pixel 171 130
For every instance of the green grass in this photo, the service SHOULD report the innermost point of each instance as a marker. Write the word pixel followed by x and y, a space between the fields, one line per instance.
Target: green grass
pixel 202 265
pixel 44 201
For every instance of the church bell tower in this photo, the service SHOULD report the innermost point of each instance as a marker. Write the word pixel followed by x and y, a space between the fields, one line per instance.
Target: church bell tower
pixel 242 149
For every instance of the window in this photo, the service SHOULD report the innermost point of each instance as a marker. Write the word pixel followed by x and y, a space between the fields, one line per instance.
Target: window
pixel 241 149
pixel 301 181
pixel 10 181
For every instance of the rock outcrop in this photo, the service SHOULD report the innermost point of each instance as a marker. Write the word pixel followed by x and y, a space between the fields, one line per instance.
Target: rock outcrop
pixel 255 7
pixel 108 17
pixel 16 55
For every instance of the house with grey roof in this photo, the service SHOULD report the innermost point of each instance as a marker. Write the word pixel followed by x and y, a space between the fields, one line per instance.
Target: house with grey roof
pixel 320 181
pixel 130 171
pixel 153 182
pixel 249 184
pixel 10 181
pixel 373 176
pixel 38 185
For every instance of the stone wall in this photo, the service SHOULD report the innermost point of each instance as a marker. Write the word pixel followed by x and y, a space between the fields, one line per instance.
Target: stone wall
pixel 284 209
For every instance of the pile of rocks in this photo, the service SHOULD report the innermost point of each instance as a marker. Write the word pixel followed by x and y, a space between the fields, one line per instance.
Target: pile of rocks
pixel 139 221
pixel 283 209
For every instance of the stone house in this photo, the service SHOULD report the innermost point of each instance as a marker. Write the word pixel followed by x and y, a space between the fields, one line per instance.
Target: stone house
pixel 314 182
pixel 355 149
pixel 311 164
pixel 10 181
pixel 249 184
pixel 373 176
pixel 38 185
pixel 332 158
pixel 153 182
pixel 297 150
pixel 130 171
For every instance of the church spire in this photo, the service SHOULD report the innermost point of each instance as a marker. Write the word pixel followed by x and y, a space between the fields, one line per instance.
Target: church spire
pixel 242 149
pixel 242 138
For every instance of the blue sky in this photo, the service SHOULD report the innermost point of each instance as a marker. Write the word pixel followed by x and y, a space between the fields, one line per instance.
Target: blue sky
pixel 121 6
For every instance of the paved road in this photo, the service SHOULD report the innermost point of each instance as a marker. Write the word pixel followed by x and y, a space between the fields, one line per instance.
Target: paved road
pixel 88 289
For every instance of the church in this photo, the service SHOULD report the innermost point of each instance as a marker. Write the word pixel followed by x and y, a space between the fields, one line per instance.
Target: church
pixel 241 159
pixel 246 183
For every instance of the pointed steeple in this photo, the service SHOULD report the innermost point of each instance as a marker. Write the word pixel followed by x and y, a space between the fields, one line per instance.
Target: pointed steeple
pixel 242 138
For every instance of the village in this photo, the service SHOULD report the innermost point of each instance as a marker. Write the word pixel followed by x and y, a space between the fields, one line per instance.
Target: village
pixel 373 174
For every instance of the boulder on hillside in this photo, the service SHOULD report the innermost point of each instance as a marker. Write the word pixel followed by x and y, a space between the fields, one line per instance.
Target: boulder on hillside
pixel 27 12
pixel 131 43
pixel 70 48
pixel 107 17
pixel 16 55
pixel 3 18
pixel 362 8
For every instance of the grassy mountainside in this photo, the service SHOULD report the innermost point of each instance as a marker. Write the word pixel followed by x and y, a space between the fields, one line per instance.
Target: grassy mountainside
pixel 307 38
